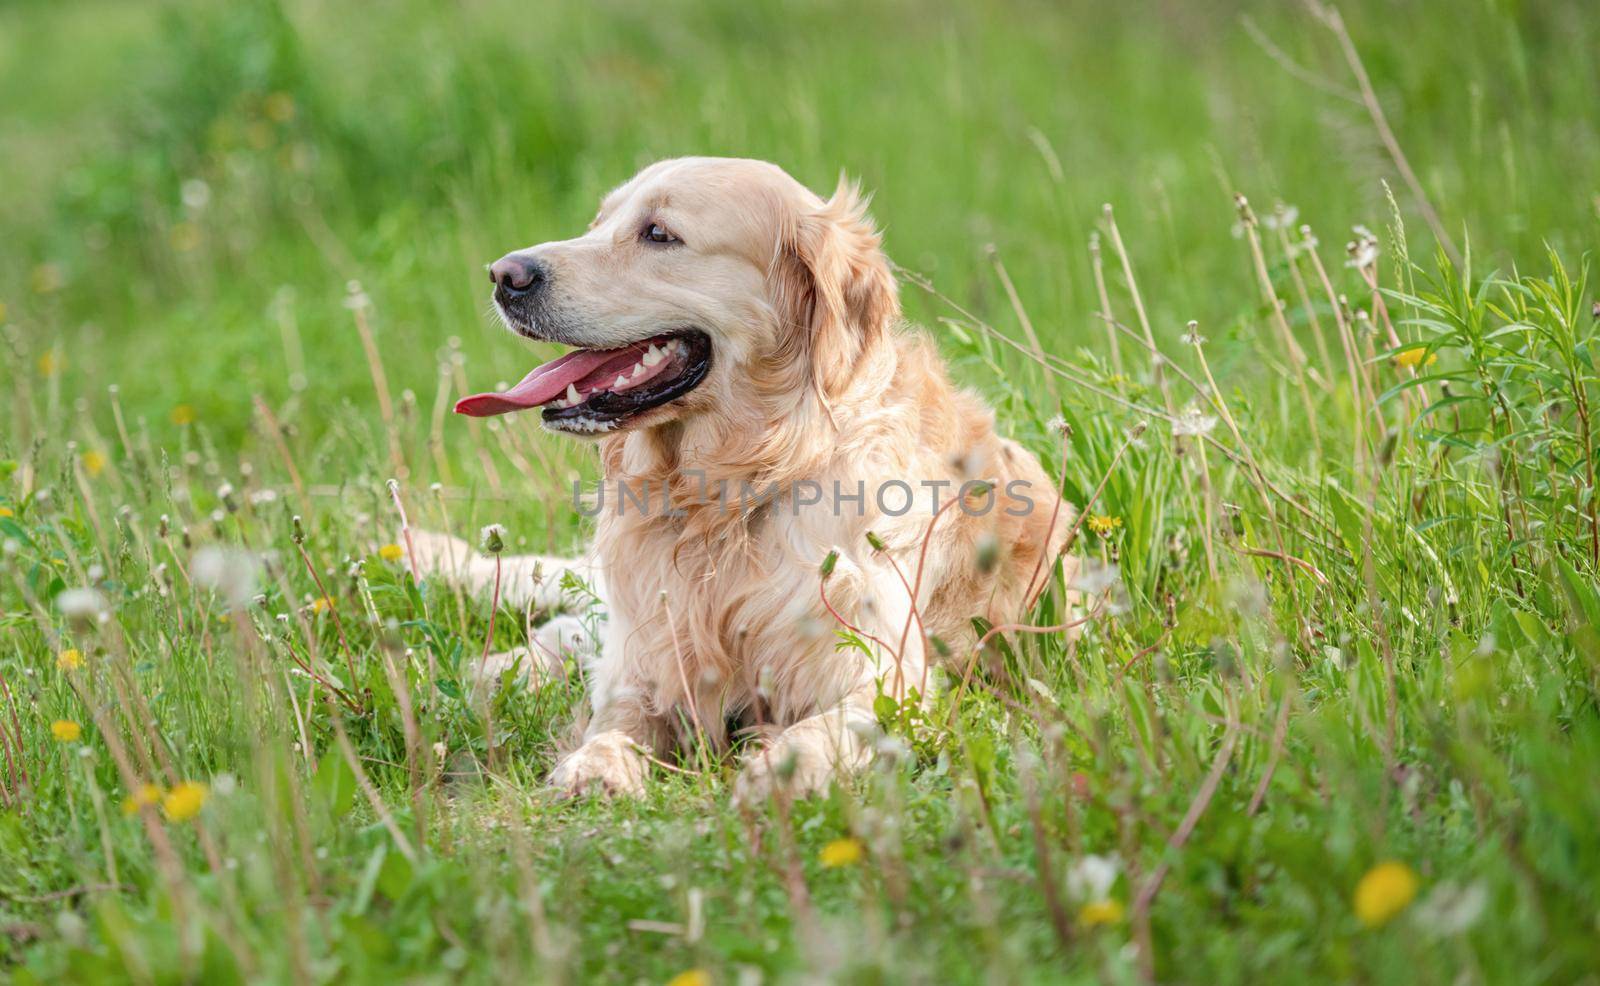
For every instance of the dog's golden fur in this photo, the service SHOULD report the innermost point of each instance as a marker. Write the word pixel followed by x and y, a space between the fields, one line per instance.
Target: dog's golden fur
pixel 714 613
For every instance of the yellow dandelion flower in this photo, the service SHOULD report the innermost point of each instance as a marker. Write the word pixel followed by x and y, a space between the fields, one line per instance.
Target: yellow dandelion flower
pixel 842 852
pixel 47 279
pixel 1385 890
pixel 321 605
pixel 6 512
pixel 691 977
pixel 70 659
pixel 279 107
pixel 185 236
pixel 147 794
pixel 182 415
pixel 66 731
pixel 51 363
pixel 391 552
pixel 1100 912
pixel 184 801
pixel 1412 358
pixel 94 462
pixel 1103 524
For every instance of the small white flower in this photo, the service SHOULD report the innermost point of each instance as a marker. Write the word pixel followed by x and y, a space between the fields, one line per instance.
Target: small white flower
pixel 1091 878
pixel 1191 335
pixel 81 602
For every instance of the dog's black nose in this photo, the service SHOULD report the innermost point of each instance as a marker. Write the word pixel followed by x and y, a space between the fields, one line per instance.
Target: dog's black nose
pixel 517 274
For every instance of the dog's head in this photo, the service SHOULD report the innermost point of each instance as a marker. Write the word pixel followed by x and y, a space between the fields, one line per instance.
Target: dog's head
pixel 703 283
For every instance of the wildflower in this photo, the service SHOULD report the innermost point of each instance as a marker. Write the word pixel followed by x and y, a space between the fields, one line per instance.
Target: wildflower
pixel 51 363
pixel 196 194
pixel 94 462
pixel 1385 890
pixel 691 977
pixel 1282 217
pixel 1100 912
pixel 1091 878
pixel 1058 425
pixel 6 512
pixel 228 571
pixel 1363 250
pixel 1191 421
pixel 391 553
pixel 1103 524
pixel 144 794
pixel 70 659
pixel 1412 358
pixel 1093 578
pixel 66 731
pixel 1191 335
pixel 492 539
pixel 841 852
pixel 184 801
pixel 182 415
pixel 81 602
pixel 321 604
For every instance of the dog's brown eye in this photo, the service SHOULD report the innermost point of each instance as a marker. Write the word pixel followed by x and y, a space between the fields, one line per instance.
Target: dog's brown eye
pixel 657 233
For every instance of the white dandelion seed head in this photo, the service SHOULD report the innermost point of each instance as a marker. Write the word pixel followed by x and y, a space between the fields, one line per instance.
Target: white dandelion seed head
pixel 229 572
pixel 492 538
pixel 196 194
pixel 1192 421
pixel 1282 217
pixel 83 602
pixel 1094 577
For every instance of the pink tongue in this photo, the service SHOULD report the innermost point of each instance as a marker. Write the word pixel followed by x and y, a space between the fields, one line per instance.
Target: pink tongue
pixel 542 386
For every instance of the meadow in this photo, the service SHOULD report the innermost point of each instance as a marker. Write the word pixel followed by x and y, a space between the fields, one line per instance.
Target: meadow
pixel 1299 305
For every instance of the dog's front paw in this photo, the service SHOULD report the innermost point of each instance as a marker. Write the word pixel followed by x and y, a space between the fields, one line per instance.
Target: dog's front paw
pixel 607 764
pixel 434 553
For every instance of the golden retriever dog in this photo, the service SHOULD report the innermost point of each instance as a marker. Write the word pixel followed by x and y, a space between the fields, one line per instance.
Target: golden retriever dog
pixel 798 511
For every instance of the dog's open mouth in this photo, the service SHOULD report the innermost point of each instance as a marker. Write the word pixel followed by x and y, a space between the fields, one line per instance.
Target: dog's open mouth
pixel 594 390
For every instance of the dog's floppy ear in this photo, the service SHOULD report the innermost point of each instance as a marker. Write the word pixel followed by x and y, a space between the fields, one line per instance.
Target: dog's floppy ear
pixel 833 288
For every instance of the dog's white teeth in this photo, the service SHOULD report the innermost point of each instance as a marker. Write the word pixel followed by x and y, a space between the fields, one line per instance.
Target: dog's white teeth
pixel 621 381
pixel 638 370
pixel 572 395
pixel 652 356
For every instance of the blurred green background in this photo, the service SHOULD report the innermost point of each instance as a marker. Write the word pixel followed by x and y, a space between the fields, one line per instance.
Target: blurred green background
pixel 186 188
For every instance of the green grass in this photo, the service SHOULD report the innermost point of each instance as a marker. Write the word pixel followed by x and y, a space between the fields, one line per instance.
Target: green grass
pixel 1420 681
